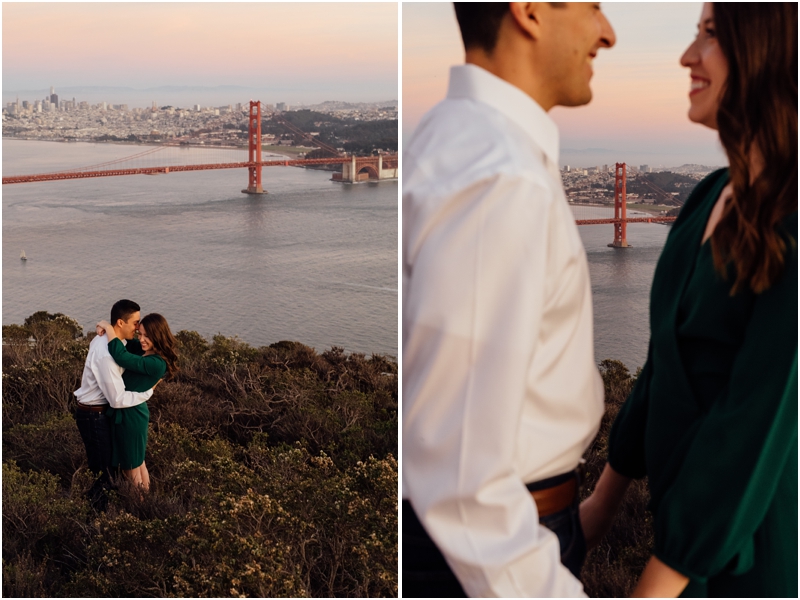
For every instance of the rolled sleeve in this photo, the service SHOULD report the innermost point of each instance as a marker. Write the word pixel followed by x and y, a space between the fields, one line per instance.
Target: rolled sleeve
pixel 472 317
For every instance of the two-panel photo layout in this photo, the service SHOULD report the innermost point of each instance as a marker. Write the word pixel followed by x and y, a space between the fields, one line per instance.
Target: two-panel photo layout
pixel 399 299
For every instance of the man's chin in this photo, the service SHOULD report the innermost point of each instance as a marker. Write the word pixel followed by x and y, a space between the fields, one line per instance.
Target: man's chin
pixel 578 98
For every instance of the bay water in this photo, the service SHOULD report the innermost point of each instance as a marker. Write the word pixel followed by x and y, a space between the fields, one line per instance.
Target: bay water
pixel 312 261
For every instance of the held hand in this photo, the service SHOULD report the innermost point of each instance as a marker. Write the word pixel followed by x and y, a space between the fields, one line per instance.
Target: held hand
pixel 596 518
pixel 598 510
pixel 99 330
pixel 659 581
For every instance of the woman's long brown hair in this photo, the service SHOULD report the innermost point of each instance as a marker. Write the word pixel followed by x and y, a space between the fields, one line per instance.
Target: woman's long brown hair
pixel 157 329
pixel 757 112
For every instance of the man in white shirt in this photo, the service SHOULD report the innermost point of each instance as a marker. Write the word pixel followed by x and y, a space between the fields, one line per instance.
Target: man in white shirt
pixel 500 388
pixel 101 387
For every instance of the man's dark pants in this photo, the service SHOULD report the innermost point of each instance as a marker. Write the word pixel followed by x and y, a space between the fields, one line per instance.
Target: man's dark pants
pixel 426 574
pixel 95 431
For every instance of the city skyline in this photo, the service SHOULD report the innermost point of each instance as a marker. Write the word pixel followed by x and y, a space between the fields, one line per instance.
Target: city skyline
pixel 640 91
pixel 304 53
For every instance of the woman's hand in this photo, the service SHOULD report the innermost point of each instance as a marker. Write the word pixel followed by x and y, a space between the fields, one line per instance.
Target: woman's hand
pixel 596 519
pixel 598 510
pixel 659 581
pixel 104 327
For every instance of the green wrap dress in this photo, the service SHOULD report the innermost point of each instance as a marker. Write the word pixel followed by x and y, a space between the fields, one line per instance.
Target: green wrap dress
pixel 712 419
pixel 129 425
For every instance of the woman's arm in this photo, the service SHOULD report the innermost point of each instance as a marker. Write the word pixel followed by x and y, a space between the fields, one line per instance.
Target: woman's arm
pixel 152 366
pixel 104 327
pixel 740 453
pixel 599 509
pixel 659 581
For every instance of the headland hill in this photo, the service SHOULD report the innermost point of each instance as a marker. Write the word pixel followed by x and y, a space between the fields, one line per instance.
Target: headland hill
pixel 274 474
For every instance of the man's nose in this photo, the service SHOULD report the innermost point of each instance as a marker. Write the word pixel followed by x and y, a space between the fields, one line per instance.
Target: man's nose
pixel 607 36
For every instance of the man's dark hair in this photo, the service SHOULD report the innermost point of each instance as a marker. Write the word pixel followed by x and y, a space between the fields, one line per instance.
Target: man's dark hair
pixel 123 309
pixel 480 22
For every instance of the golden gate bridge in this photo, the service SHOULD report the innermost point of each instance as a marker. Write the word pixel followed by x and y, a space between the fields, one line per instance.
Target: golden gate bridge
pixel 354 168
pixel 620 219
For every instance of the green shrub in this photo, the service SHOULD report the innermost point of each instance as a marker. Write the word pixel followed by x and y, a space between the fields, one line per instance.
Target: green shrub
pixel 38 519
pixel 263 481
pixel 24 577
pixel 613 568
pixel 54 446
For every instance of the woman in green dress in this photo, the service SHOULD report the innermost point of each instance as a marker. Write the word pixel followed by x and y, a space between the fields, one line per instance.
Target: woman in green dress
pixel 712 419
pixel 145 362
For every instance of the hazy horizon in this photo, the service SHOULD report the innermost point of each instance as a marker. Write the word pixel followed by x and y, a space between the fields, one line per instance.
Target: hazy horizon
pixel 183 96
pixel 303 53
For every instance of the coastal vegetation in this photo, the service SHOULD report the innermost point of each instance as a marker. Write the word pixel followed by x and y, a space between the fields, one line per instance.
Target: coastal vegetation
pixel 355 136
pixel 274 474
pixel 612 569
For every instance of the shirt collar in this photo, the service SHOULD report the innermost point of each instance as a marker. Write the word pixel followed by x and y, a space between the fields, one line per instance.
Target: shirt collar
pixel 476 83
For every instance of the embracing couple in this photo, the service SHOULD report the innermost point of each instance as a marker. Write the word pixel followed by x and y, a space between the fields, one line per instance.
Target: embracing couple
pixel 118 380
pixel 501 393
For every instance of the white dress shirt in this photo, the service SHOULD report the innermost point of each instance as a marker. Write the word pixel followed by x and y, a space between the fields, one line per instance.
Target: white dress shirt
pixel 101 382
pixel 500 386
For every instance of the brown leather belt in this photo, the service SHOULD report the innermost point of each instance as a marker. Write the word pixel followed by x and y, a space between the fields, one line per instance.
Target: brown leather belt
pixel 101 408
pixel 554 499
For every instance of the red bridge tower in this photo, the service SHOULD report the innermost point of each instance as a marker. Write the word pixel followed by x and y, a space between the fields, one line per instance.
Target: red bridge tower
pixel 254 154
pixel 620 208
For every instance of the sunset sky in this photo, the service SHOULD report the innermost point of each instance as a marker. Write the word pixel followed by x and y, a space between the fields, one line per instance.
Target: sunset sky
pixel 305 52
pixel 638 113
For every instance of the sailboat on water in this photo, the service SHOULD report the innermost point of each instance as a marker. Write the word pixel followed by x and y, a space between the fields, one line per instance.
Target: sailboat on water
pixel 22 256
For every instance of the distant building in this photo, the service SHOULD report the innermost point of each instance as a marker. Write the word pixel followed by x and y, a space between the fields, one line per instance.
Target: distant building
pixel 54 99
pixel 281 106
pixel 645 169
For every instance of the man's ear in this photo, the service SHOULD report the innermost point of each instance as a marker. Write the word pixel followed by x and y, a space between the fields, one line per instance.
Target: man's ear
pixel 527 16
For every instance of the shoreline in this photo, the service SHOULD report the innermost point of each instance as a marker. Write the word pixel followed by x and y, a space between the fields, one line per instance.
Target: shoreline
pixel 644 208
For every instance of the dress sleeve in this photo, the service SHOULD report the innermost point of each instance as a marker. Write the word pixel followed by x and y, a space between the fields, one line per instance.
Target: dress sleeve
pixel 109 380
pixel 626 453
pixel 728 478
pixel 472 317
pixel 152 366
pixel 134 346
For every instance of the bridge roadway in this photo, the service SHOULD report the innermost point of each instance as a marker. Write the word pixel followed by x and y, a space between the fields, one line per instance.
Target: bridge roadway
pixel 388 161
pixel 632 220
